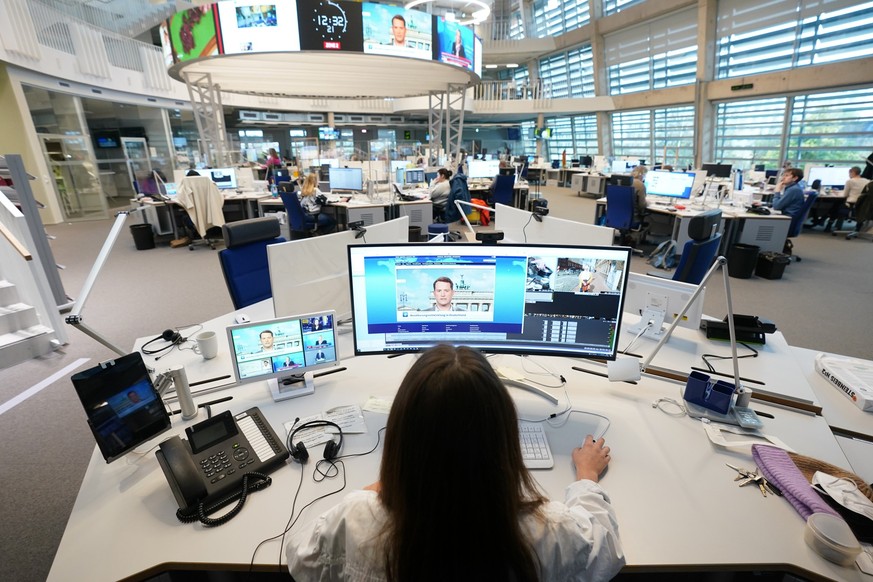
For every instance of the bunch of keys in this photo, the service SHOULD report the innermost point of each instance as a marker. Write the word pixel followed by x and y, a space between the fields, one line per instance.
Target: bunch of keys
pixel 745 477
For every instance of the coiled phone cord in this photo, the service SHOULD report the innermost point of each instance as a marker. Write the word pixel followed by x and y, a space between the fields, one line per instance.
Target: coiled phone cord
pixel 199 513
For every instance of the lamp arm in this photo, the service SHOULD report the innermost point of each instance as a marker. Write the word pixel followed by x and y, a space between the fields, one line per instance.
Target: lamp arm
pixel 720 261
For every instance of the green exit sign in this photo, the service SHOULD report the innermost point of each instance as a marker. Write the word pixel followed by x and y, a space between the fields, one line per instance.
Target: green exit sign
pixel 742 87
pixel 407 134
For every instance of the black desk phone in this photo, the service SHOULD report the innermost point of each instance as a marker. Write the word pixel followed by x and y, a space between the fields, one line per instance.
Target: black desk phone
pixel 224 459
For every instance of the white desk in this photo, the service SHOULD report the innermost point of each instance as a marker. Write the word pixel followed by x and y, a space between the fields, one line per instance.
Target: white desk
pixel 677 504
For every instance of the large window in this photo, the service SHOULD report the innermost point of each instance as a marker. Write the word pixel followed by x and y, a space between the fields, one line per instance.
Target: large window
pixel 655 135
pixel 653 55
pixel 551 18
pixel 831 128
pixel 756 36
pixel 613 6
pixel 569 74
pixel 528 142
pixel 749 133
pixel 585 135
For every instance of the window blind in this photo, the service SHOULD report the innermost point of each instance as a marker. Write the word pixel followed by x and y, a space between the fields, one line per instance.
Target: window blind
pixel 672 32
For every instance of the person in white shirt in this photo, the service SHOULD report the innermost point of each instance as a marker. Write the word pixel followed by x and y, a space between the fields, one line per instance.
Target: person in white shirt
pixel 440 189
pixel 311 199
pixel 853 188
pixel 454 500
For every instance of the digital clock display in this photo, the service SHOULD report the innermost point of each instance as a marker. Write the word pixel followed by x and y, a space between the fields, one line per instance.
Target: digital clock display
pixel 330 25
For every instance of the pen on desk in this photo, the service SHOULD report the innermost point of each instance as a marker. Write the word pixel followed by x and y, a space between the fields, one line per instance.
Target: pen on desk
pixel 601 374
pixel 210 403
pixel 764 414
pixel 208 380
pixel 331 371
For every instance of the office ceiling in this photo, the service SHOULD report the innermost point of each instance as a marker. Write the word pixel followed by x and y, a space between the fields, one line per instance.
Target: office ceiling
pixel 325 75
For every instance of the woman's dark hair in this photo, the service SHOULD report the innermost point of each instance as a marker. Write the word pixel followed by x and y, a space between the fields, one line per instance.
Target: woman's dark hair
pixel 453 480
pixel 445 173
pixel 192 173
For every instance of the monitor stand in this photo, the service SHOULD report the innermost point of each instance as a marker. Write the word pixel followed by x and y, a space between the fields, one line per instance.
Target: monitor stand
pixel 654 331
pixel 512 378
pixel 289 387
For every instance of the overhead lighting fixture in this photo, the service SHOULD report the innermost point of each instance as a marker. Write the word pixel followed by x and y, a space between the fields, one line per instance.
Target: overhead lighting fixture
pixel 482 12
pixel 511 65
pixel 490 66
pixel 552 4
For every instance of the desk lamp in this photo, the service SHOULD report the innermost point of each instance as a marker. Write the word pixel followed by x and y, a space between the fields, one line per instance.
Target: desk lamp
pixel 629 369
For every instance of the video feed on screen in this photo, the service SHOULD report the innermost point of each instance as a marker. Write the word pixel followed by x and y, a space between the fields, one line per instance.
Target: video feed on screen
pixel 392 30
pixel 248 26
pixel 455 44
pixel 267 349
pixel 502 298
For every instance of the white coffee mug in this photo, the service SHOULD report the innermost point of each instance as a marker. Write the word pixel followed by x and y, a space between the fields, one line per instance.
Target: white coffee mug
pixel 207 344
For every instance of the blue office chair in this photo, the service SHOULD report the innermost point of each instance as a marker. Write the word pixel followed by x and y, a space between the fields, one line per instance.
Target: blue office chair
pixel 503 192
pixel 459 191
pixel 300 223
pixel 620 213
pixel 797 224
pixel 244 261
pixel 699 252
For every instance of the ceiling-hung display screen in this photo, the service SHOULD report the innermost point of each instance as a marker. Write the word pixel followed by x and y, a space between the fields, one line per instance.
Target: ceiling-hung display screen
pixel 330 25
pixel 191 34
pixel 248 27
pixel 454 44
pixel 391 30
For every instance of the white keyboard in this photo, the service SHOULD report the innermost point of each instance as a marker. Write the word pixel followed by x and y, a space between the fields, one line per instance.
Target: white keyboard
pixel 534 446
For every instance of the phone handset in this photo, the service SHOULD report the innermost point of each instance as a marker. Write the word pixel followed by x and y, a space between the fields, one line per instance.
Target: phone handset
pixel 190 490
pixel 224 459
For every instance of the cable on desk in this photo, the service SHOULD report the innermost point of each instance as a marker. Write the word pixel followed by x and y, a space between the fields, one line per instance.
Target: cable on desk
pixel 642 331
pixel 711 368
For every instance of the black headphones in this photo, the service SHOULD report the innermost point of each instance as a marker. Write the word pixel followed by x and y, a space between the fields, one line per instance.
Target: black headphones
pixel 169 335
pixel 331 449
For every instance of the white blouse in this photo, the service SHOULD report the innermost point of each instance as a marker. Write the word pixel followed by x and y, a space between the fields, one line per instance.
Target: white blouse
pixel 577 540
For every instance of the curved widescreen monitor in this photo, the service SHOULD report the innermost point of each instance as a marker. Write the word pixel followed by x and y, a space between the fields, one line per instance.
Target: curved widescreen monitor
pixel 521 299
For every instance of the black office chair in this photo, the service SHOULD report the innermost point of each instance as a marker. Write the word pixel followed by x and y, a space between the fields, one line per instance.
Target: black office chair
pixel 620 215
pixel 797 225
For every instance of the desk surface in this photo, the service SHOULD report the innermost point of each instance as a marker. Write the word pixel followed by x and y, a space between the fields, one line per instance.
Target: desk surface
pixel 664 472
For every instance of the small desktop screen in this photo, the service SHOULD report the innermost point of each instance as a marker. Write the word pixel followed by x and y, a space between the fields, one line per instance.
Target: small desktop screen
pixel 513 298
pixel 346 179
pixel 670 184
pixel 282 347
pixel 224 178
pixel 483 168
pixel 328 133
pixel 717 170
pixel 622 166
pixel 414 177
pixel 281 175
pixel 832 177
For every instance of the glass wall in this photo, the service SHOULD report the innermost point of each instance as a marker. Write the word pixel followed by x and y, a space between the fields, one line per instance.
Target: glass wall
pixel 748 133
pixel 569 74
pixel 553 18
pixel 831 128
pixel 655 135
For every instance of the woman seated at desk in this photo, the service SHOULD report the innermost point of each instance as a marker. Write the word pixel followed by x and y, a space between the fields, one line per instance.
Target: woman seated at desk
pixel 311 199
pixel 439 189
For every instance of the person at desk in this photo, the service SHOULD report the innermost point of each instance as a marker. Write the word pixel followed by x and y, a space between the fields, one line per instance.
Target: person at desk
pixel 440 189
pixel 640 205
pixel 789 200
pixel 853 188
pixel 311 199
pixel 439 514
pixel 273 159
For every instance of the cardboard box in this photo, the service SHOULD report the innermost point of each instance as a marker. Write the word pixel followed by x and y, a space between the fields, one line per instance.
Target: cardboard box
pixel 853 377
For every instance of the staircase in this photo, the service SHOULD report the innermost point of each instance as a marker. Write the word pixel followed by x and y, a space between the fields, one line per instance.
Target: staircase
pixel 22 336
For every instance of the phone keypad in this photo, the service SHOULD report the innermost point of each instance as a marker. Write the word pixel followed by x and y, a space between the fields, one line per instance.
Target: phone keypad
pixel 217 466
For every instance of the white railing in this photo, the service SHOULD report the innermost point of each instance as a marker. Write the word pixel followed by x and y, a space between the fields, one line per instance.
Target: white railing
pixel 512 91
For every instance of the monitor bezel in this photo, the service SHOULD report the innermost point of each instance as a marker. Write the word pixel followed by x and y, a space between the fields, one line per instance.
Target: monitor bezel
pixel 517 349
pixel 686 193
pixel 283 374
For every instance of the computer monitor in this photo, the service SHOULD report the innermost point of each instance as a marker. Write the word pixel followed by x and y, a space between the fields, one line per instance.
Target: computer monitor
pixel 281 175
pixel 415 176
pixel 346 179
pixel 224 178
pixel 665 296
pixel 717 170
pixel 482 168
pixel 521 299
pixel 586 161
pixel 621 166
pixel 670 184
pixel 283 348
pixel 834 177
pixel 760 167
pixel 771 173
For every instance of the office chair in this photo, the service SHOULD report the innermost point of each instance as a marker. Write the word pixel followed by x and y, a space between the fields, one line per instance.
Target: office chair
pixel 300 223
pixel 204 203
pixel 244 260
pixel 797 225
pixel 700 251
pixel 620 214
pixel 504 190
pixel 862 214
pixel 459 191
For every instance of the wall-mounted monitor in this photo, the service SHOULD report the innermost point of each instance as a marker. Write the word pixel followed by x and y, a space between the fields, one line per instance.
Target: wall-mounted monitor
pixel 346 179
pixel 224 178
pixel 328 133
pixel 106 138
pixel 542 133
pixel 180 142
pixel 282 348
pixel 832 177
pixel 392 30
pixel 523 299
pixel 670 184
pixel 717 170
pixel 513 133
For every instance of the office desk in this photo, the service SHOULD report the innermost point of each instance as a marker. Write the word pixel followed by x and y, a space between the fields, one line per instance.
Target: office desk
pixel 677 504
pixel 519 192
pixel 825 204
pixel 161 214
